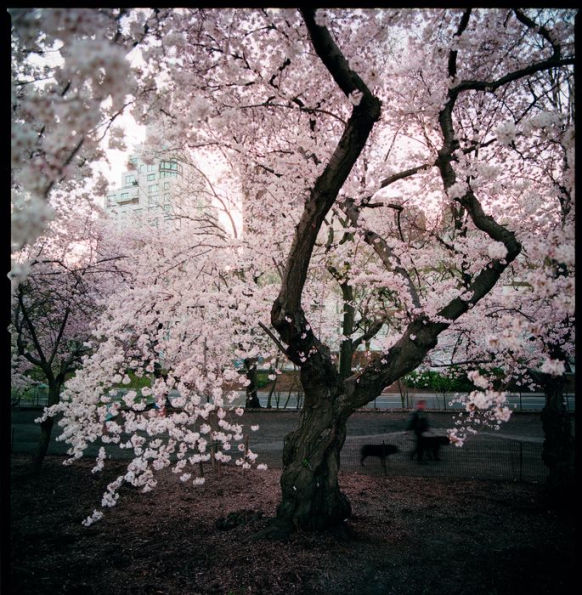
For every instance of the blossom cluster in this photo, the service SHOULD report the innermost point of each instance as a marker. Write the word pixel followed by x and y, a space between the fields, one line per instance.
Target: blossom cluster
pixel 185 415
pixel 486 408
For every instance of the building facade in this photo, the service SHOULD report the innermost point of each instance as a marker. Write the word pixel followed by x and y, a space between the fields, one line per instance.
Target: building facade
pixel 148 193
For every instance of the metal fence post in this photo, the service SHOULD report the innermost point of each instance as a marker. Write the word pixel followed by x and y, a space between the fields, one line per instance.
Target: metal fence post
pixel 520 460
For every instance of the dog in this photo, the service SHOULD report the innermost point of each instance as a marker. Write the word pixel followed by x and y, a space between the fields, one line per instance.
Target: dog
pixel 431 445
pixel 378 450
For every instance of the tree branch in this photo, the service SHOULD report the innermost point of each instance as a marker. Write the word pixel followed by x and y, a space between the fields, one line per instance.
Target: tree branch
pixel 490 86
pixel 374 329
pixel 275 340
pixel 327 186
pixel 31 330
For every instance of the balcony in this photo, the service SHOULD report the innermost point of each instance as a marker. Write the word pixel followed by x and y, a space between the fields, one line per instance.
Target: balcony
pixel 127 196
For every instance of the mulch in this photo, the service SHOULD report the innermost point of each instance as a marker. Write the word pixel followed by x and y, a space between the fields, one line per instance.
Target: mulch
pixel 407 535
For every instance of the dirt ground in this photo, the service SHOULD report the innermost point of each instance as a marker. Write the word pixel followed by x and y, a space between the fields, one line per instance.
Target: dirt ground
pixel 407 535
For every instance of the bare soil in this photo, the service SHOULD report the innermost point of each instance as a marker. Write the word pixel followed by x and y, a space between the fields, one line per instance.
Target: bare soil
pixel 407 535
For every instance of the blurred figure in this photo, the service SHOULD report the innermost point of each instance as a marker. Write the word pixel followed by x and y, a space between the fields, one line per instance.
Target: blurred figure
pixel 418 423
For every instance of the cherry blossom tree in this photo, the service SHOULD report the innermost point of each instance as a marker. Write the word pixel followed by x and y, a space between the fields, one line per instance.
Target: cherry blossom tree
pixel 180 320
pixel 336 121
pixel 309 497
pixel 55 304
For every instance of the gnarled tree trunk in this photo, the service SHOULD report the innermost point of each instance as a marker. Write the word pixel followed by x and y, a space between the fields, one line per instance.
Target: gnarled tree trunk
pixel 558 447
pixel 310 494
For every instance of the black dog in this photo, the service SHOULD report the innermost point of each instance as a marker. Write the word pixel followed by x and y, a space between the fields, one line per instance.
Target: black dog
pixel 378 450
pixel 431 445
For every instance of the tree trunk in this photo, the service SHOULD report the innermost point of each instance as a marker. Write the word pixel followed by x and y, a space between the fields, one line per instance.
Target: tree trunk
pixel 273 386
pixel 558 451
pixel 311 498
pixel 252 400
pixel 346 354
pixel 46 428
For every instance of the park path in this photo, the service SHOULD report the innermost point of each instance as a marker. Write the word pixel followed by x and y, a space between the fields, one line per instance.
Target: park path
pixel 514 453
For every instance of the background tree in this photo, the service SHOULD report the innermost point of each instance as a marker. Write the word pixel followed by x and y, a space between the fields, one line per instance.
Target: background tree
pixel 55 305
pixel 177 324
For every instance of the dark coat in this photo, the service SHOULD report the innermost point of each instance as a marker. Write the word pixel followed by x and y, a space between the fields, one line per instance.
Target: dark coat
pixel 417 422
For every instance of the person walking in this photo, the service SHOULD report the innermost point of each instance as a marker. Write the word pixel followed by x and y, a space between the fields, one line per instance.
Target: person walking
pixel 418 423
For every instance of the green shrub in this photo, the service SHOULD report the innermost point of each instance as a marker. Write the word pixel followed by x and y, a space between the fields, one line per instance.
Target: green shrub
pixel 436 381
pixel 136 382
pixel 263 378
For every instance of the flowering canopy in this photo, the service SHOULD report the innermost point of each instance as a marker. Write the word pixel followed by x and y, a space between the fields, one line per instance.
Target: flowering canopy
pixel 420 159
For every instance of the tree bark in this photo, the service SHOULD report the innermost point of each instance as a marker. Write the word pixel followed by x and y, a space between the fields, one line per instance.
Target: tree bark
pixel 46 427
pixel 252 400
pixel 310 495
pixel 558 447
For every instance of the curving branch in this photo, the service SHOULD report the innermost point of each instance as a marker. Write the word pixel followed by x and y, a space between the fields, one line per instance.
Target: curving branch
pixel 491 86
pixel 421 335
pixel 286 315
pixel 530 24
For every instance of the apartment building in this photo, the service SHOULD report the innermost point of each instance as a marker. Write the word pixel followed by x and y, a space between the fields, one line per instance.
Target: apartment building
pixel 148 193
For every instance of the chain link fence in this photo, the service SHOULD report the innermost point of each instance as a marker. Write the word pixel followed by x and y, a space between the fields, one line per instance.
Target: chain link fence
pixel 481 457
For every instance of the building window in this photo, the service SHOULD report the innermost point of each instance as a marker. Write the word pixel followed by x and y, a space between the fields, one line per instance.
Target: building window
pixel 152 188
pixel 167 197
pixel 151 177
pixel 151 167
pixel 129 179
pixel 170 166
pixel 124 195
pixel 166 185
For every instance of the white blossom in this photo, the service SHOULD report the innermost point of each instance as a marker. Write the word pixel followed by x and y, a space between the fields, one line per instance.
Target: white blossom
pixel 553 367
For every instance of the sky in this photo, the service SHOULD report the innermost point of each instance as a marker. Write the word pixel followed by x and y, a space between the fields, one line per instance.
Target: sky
pixel 134 136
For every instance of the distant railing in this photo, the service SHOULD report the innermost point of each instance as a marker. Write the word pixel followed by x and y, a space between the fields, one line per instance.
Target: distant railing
pixel 38 397
pixel 35 396
pixel 481 457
